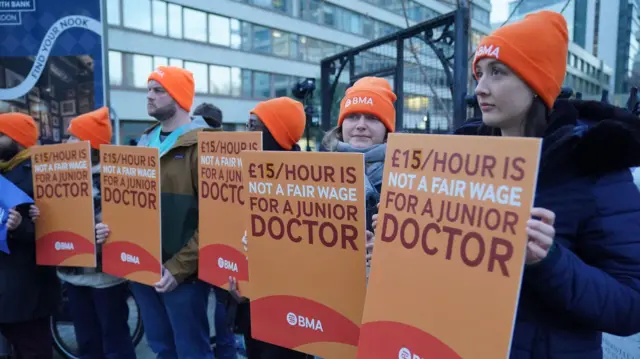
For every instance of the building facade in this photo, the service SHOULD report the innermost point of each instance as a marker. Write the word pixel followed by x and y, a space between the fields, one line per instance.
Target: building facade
pixel 245 51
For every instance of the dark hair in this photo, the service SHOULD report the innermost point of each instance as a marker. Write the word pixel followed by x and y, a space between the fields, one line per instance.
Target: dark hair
pixel 95 157
pixel 534 124
pixel 212 115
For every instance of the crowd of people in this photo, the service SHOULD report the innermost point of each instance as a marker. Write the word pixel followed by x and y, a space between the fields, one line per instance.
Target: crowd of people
pixel 582 271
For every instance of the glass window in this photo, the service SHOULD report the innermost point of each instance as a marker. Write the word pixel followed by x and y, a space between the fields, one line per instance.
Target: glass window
pixel 247 84
pixel 314 50
pixel 311 10
pixel 195 25
pixel 137 14
pixel 199 75
pixel 176 63
pixel 329 16
pixel 219 30
pixel 261 85
pixel 246 36
pixel 175 21
pixel 113 12
pixel 160 17
pixel 280 43
pixel 219 80
pixel 236 34
pixel 281 85
pixel 294 53
pixel 236 81
pixel 115 68
pixel 160 61
pixel 261 39
pixel 142 66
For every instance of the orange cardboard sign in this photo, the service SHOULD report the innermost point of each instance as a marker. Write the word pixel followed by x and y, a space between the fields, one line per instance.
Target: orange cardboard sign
pixel 131 208
pixel 449 247
pixel 62 185
pixel 222 222
pixel 306 239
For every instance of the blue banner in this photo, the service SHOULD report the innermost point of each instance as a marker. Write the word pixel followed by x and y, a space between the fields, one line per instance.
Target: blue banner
pixel 10 197
pixel 52 61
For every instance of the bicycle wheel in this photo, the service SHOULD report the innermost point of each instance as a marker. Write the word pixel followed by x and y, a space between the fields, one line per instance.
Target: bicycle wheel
pixel 64 335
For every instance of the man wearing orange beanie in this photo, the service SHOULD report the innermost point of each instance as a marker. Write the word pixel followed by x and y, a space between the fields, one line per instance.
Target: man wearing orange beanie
pixel 28 293
pixel 172 328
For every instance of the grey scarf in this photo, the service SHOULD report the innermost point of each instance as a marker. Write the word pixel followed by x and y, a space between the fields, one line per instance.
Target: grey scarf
pixel 374 166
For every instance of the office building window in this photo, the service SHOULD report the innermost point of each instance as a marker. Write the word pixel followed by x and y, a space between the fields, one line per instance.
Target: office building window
pixel 195 25
pixel 261 85
pixel 113 12
pixel 137 14
pixel 160 61
pixel 159 17
pixel 281 43
pixel 142 66
pixel 219 80
pixel 176 63
pixel 282 85
pixel 261 39
pixel 200 75
pixel 175 21
pixel 236 34
pixel 247 83
pixel 236 81
pixel 115 68
pixel 219 30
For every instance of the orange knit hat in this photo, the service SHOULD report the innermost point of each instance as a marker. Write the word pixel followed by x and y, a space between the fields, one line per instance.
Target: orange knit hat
pixel 373 96
pixel 535 48
pixel 20 128
pixel 94 126
pixel 177 82
pixel 284 118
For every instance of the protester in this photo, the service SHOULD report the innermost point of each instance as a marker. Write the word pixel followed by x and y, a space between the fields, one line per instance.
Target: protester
pixel 28 293
pixel 281 121
pixel 367 116
pixel 210 113
pixel 582 273
pixel 225 339
pixel 174 310
pixel 97 301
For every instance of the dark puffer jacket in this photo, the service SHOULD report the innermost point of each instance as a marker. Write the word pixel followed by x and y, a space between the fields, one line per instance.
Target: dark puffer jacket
pixel 590 282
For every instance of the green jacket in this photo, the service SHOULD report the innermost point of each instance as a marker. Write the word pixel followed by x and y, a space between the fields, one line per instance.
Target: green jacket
pixel 179 201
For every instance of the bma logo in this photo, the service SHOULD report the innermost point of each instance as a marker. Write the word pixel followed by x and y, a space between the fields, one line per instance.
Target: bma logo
pixel 228 265
pixel 488 50
pixel 405 353
pixel 358 101
pixel 159 72
pixel 128 258
pixel 64 246
pixel 295 320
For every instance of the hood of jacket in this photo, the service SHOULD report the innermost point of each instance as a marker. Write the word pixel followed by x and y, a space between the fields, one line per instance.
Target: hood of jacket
pixel 594 136
pixel 188 138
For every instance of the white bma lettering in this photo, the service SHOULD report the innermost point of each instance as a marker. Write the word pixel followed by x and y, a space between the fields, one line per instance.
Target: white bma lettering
pixel 489 51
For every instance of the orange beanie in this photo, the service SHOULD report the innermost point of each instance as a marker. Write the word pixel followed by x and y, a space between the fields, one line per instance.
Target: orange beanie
pixel 373 96
pixel 535 48
pixel 284 118
pixel 20 128
pixel 178 83
pixel 94 126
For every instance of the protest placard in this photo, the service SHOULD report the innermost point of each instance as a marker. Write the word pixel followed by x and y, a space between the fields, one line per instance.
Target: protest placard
pixel 63 191
pixel 131 208
pixel 10 197
pixel 306 239
pixel 449 247
pixel 222 215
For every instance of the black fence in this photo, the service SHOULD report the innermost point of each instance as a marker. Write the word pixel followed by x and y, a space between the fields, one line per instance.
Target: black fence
pixel 427 65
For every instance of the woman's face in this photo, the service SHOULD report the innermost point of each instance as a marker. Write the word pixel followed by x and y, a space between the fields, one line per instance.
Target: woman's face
pixel 503 97
pixel 363 130
pixel 254 124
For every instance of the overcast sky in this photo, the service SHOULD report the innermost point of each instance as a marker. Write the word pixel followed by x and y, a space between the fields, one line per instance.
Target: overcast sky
pixel 500 10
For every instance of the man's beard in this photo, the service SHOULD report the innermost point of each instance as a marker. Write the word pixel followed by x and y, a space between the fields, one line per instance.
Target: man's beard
pixel 9 152
pixel 164 113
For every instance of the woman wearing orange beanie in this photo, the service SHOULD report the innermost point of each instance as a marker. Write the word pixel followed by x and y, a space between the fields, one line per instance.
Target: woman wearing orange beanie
pixel 97 301
pixel 281 121
pixel 28 293
pixel 582 272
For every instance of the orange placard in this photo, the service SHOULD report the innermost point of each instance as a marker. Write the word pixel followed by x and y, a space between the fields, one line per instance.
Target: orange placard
pixel 449 248
pixel 63 191
pixel 222 222
pixel 131 208
pixel 306 236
